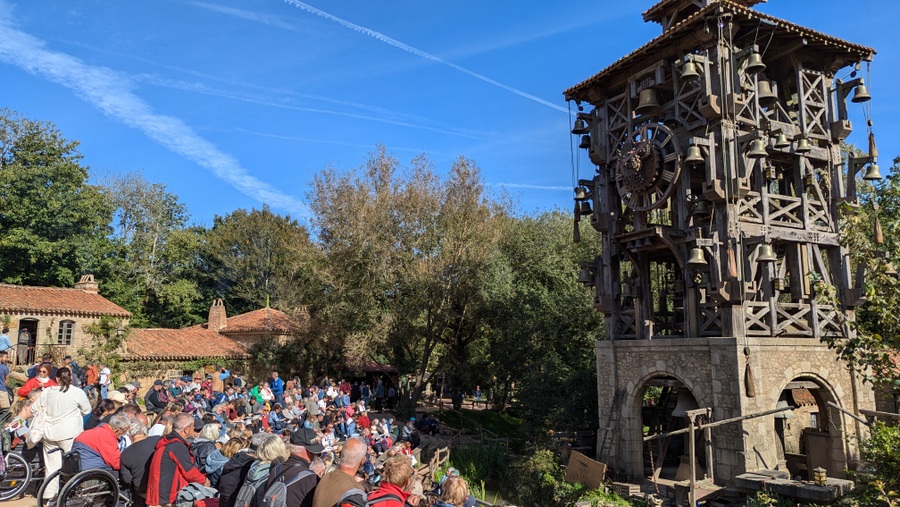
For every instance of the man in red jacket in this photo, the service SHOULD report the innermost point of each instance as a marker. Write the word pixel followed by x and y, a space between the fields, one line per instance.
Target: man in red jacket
pixel 397 481
pixel 172 466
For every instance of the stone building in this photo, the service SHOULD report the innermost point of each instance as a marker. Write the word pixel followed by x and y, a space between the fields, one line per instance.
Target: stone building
pixel 716 183
pixel 52 319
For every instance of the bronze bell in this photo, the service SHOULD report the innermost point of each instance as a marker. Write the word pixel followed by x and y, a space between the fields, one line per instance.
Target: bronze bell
pixel 757 149
pixel 585 142
pixel 694 156
pixel 873 173
pixel 585 277
pixel 764 93
pixel 648 102
pixel 861 93
pixel 803 146
pixel 701 208
pixel 581 126
pixel 755 64
pixel 697 257
pixel 580 193
pixel 889 269
pixel 626 291
pixel 765 253
pixel 781 141
pixel 689 70
pixel 586 208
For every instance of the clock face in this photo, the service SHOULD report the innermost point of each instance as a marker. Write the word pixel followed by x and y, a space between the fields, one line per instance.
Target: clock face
pixel 648 167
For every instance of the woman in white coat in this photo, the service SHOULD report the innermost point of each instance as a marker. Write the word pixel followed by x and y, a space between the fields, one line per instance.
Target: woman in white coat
pixel 64 408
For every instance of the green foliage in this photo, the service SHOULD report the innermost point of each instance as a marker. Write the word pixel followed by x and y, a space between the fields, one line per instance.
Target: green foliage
pixel 107 336
pixel 54 223
pixel 538 482
pixel 601 498
pixel 503 425
pixel 481 462
pixel 881 456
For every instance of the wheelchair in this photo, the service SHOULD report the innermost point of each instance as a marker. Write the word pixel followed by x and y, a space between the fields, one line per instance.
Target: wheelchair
pixel 82 488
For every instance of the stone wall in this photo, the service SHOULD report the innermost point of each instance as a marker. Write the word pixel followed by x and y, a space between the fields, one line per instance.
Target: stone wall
pixel 714 369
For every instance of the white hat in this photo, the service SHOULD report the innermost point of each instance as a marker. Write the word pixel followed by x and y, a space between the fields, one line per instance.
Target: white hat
pixel 117 397
pixel 130 387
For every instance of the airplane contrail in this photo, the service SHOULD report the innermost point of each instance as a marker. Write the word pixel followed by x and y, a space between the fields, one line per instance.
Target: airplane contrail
pixel 418 52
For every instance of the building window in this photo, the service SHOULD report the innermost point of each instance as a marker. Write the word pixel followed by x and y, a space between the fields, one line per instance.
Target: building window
pixel 173 374
pixel 64 336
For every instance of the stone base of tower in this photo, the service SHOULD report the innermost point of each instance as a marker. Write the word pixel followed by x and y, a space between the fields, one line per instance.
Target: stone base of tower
pixel 803 371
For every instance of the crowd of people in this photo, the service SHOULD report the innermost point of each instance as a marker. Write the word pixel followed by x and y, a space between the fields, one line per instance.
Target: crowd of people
pixel 218 440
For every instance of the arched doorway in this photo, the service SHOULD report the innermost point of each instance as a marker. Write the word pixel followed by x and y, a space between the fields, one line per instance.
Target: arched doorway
pixel 26 341
pixel 664 402
pixel 808 437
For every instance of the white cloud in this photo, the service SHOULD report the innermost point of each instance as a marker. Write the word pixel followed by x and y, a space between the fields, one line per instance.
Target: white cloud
pixel 112 93
pixel 252 16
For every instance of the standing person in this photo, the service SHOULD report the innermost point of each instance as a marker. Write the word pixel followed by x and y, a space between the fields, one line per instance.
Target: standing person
pixel 41 381
pixel 4 392
pixel 478 395
pixel 91 380
pixel 391 397
pixel 379 396
pixel 104 381
pixel 64 409
pixel 277 387
pixel 172 466
pixel 77 373
pixel 5 343
pixel 341 480
pixel 365 393
pixel 24 339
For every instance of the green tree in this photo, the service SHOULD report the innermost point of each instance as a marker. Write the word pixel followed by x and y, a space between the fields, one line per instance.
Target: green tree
pixel 407 252
pixel 54 224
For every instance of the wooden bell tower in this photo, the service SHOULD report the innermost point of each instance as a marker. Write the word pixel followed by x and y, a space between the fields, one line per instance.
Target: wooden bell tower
pixel 718 180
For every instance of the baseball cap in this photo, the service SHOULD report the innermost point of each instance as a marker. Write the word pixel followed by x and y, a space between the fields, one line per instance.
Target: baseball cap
pixel 130 387
pixel 157 382
pixel 307 438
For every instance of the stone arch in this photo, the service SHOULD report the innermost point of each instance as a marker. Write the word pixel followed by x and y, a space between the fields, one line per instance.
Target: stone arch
pixel 812 435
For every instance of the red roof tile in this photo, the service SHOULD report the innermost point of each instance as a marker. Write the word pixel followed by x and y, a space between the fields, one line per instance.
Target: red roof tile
pixel 180 344
pixel 267 320
pixel 55 300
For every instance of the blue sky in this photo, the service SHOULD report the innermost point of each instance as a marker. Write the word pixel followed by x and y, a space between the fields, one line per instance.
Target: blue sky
pixel 234 103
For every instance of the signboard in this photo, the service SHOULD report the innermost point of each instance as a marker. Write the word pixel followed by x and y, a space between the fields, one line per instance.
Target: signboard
pixel 584 470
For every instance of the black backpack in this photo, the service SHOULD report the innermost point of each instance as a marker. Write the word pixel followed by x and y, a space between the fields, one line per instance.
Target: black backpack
pixel 276 495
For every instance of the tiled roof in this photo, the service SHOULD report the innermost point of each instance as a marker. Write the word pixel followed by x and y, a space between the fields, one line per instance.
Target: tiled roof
pixel 855 52
pixel 181 344
pixel 656 12
pixel 56 301
pixel 267 320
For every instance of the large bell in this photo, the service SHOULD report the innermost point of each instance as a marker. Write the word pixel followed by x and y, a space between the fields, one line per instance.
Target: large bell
pixel 685 402
pixel 765 253
pixel 581 127
pixel 873 173
pixel 585 277
pixel 689 71
pixel 781 141
pixel 701 208
pixel 764 93
pixel 586 208
pixel 694 156
pixel 861 93
pixel 757 149
pixel 580 193
pixel 803 146
pixel 755 64
pixel 585 142
pixel 697 257
pixel 648 102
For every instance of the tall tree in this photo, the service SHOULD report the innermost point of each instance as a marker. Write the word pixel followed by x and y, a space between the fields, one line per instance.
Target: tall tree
pixel 53 224
pixel 407 252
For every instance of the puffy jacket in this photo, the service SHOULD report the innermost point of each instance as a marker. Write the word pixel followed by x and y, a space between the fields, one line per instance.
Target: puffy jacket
pixel 201 448
pixel 32 384
pixel 215 462
pixel 171 469
pixel 385 489
pixel 98 448
pixel 233 474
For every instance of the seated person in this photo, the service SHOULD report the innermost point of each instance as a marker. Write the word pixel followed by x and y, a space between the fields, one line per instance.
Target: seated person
pixel 99 447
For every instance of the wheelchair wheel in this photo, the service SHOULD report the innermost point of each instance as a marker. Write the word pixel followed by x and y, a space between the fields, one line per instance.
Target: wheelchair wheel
pixel 17 477
pixel 93 488
pixel 40 492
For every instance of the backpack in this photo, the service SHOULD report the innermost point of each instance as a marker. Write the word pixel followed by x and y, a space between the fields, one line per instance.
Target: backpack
pixel 194 492
pixel 358 498
pixel 246 496
pixel 276 495
pixel 92 376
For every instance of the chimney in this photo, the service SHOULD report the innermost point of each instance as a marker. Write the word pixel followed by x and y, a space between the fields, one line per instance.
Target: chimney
pixel 88 284
pixel 217 316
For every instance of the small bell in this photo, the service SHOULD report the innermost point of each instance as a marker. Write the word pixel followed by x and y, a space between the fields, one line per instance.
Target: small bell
pixel 648 102
pixel 585 277
pixel 626 291
pixel 765 253
pixel 697 258
pixel 694 156
pixel 580 193
pixel 586 208
pixel 781 141
pixel 755 64
pixel 873 173
pixel 585 142
pixel 889 269
pixel 861 93
pixel 581 126
pixel 764 93
pixel 879 234
pixel 757 149
pixel 701 208
pixel 803 146
pixel 689 70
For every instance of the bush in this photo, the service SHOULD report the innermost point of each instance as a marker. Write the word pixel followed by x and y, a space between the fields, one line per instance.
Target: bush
pixel 480 463
pixel 881 456
pixel 538 482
